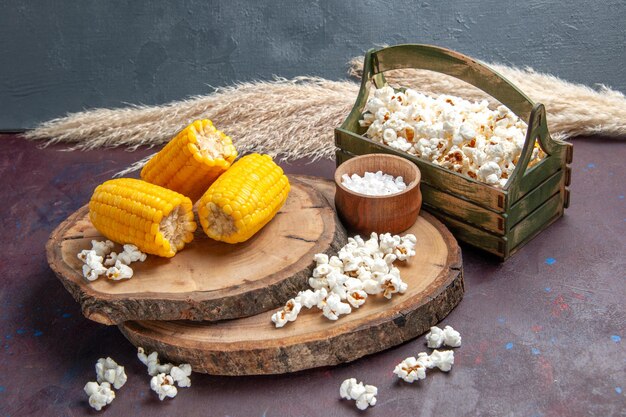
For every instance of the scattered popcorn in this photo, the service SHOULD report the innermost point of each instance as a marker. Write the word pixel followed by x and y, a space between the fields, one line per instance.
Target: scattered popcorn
pixel 100 395
pixel 93 268
pixel 373 183
pixel 411 369
pixel 463 136
pixel 163 385
pixel 180 374
pixel 107 370
pixel 96 265
pixel 442 359
pixel 448 337
pixel 288 313
pixel 343 282
pixel 152 362
pixel 119 271
pixel 364 395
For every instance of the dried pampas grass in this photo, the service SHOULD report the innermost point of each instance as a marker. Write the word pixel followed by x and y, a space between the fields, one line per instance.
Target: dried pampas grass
pixel 295 118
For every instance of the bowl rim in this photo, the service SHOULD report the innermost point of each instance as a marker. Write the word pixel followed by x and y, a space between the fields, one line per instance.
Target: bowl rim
pixel 416 183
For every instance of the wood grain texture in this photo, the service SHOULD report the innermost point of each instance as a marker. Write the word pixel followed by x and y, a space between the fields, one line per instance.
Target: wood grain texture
pixel 382 214
pixel 208 280
pixel 253 346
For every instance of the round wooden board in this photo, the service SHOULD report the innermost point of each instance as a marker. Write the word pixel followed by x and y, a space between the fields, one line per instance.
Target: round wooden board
pixel 253 346
pixel 207 280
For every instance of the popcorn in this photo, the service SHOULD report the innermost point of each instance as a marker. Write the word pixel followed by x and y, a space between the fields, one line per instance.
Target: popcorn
pixel 102 248
pixel 442 359
pixel 287 314
pixel 410 370
pixel 163 385
pixel 364 395
pixel 434 339
pixel 376 183
pixel 449 131
pixel 107 370
pixel 119 271
pixel 93 268
pixel 152 362
pixel 343 282
pixel 100 395
pixel 333 307
pixel 180 374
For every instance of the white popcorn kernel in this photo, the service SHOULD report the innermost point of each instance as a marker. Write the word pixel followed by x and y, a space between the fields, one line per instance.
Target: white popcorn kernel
pixel 320 258
pixel 180 374
pixel 134 253
pixel 152 362
pixel 107 370
pixel 310 299
pixel 100 395
pixel 163 385
pixel 434 339
pixel 425 359
pixel 333 307
pixel 102 248
pixel 93 268
pixel 451 337
pixel 286 314
pixel 392 284
pixel 410 370
pixel 442 359
pixel 119 271
pixel 364 395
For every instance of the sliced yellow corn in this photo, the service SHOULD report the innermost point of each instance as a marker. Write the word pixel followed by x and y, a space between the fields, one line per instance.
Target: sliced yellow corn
pixel 156 220
pixel 191 161
pixel 243 199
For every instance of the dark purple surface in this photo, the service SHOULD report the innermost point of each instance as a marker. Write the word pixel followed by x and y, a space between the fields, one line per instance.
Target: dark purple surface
pixel 541 333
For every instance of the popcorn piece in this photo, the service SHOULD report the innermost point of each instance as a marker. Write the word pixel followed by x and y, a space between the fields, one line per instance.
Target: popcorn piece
pixel 451 337
pixel 102 248
pixel 426 360
pixel 410 370
pixel 392 284
pixel 100 395
pixel 364 395
pixel 107 370
pixel 442 359
pixel 163 385
pixel 287 314
pixel 119 271
pixel 333 307
pixel 134 254
pixel 152 362
pixel 93 268
pixel 310 298
pixel 180 374
pixel 434 339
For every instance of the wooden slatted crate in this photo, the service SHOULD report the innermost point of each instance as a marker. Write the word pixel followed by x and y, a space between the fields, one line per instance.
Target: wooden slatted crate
pixel 498 220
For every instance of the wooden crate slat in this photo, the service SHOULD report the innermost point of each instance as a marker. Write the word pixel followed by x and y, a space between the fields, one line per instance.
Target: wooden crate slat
pixel 470 212
pixel 470 234
pixel 536 221
pixel 534 199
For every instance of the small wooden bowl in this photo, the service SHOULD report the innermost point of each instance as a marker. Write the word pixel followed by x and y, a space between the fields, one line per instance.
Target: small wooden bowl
pixel 382 214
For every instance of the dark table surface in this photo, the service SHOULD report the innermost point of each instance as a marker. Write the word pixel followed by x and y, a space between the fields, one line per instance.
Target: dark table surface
pixel 542 332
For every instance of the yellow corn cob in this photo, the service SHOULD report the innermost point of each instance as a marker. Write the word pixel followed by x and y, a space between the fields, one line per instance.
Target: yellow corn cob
pixel 156 220
pixel 244 199
pixel 191 161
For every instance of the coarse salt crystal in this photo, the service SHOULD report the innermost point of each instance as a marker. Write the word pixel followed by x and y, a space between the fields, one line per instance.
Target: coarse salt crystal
pixel 373 183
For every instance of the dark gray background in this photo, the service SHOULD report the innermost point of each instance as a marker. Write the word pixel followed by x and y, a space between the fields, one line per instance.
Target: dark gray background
pixel 64 56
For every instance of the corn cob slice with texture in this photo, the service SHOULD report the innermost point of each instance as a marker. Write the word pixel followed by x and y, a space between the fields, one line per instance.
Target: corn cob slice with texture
pixel 192 160
pixel 156 220
pixel 244 199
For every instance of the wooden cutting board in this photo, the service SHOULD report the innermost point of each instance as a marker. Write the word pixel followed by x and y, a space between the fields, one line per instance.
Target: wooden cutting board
pixel 207 280
pixel 253 346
